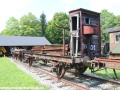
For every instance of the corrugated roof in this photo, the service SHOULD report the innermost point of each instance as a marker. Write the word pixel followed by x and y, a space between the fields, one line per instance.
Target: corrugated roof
pixel 23 41
pixel 110 30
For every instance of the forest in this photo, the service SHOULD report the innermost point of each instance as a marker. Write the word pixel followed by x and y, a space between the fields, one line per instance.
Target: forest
pixel 30 25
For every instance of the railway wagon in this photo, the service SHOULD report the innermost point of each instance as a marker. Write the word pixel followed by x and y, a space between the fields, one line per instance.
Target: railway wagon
pixel 84 44
pixel 83 50
pixel 113 59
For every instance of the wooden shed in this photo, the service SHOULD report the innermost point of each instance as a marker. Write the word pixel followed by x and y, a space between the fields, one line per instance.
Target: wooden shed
pixel 114 35
pixel 8 43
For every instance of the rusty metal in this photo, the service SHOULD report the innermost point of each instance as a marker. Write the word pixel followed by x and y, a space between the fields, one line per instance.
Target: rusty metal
pixel 81 35
pixel 30 61
pixel 51 57
pixel 56 50
pixel 64 27
pixel 45 62
pixel 83 44
pixel 90 30
pixel 80 68
pixel 99 35
pixel 61 69
pixel 63 42
pixel 109 63
pixel 88 21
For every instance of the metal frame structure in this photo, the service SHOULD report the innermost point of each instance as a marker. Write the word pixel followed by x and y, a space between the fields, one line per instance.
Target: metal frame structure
pixel 85 47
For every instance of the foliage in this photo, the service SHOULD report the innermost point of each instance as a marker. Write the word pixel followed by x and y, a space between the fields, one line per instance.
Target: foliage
pixel 117 21
pixel 12 76
pixel 28 25
pixel 43 24
pixel 55 34
pixel 103 73
pixel 107 21
pixel 12 27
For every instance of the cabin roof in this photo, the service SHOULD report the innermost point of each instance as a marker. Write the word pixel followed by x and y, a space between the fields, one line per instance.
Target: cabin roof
pixel 111 30
pixel 86 10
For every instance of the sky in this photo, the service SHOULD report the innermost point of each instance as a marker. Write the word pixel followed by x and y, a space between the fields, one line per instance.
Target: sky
pixel 18 8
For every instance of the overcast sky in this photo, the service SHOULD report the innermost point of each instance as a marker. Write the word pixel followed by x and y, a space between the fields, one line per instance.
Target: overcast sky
pixel 18 8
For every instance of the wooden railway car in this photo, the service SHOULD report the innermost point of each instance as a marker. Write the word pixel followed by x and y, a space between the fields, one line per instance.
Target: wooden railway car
pixel 84 44
pixel 83 50
pixel 113 59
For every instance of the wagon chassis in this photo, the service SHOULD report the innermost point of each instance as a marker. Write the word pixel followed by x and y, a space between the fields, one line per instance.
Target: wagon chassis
pixel 80 52
pixel 59 63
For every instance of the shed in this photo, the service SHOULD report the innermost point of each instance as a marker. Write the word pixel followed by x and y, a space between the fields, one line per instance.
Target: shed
pixel 8 42
pixel 111 30
pixel 114 34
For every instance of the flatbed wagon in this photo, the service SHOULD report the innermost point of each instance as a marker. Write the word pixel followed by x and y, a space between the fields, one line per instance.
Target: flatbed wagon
pixel 83 50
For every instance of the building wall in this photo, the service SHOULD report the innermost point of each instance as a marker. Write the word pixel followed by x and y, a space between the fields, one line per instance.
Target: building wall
pixel 113 39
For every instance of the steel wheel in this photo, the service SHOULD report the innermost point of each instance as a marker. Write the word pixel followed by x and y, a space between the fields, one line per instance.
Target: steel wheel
pixel 80 68
pixel 30 62
pixel 61 69
pixel 45 62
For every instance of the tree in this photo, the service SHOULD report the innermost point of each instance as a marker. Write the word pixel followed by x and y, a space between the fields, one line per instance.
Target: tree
pixel 107 21
pixel 29 25
pixel 117 21
pixel 55 34
pixel 43 23
pixel 12 27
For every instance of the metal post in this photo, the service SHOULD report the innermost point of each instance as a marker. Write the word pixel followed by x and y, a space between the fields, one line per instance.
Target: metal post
pixel 115 74
pixel 63 41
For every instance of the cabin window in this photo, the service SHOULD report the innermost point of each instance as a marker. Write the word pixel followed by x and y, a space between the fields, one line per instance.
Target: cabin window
pixel 74 23
pixel 117 37
pixel 94 21
pixel 87 20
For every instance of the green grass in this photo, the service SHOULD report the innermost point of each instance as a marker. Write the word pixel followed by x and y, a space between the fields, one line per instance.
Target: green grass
pixel 12 76
pixel 103 73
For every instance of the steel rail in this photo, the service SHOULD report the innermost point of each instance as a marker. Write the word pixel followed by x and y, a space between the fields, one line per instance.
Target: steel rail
pixel 38 70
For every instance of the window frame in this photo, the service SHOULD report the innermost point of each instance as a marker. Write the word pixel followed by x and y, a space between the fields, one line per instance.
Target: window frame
pixel 117 37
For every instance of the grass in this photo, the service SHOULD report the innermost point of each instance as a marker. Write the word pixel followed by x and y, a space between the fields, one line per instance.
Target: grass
pixel 12 76
pixel 103 73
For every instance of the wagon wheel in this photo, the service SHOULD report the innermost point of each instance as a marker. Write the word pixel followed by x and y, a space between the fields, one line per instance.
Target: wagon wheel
pixel 30 62
pixel 20 58
pixel 80 68
pixel 45 62
pixel 61 69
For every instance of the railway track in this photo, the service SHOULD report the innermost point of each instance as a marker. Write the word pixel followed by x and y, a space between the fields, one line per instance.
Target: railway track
pixel 41 73
pixel 84 82
pixel 101 78
pixel 91 75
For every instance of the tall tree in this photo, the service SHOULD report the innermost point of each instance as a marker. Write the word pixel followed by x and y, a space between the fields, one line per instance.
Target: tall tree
pixel 117 21
pixel 107 21
pixel 29 25
pixel 55 34
pixel 12 27
pixel 43 23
